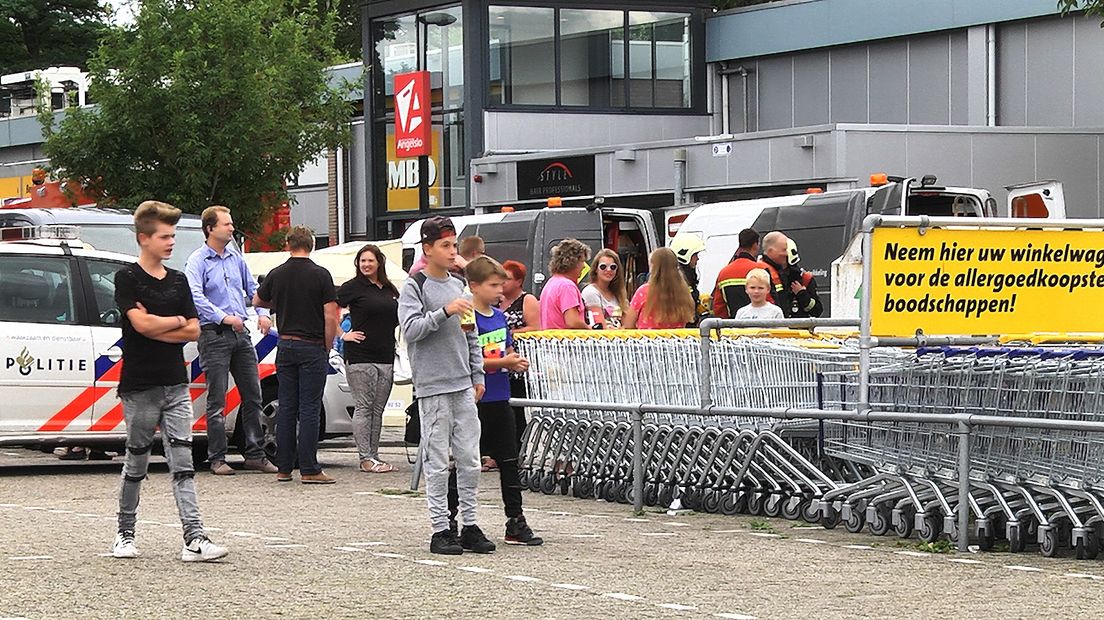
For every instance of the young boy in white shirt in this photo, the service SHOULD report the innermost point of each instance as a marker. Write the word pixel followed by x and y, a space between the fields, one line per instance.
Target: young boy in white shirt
pixel 757 287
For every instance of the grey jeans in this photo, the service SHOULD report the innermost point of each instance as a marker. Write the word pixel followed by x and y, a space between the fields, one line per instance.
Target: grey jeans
pixel 371 387
pixel 170 408
pixel 231 353
pixel 450 421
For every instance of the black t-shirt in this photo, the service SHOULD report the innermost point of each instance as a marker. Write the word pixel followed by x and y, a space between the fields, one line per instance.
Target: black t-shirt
pixel 297 291
pixel 146 362
pixel 373 310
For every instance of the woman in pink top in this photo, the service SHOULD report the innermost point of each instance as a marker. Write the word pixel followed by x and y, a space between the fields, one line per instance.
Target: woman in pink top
pixel 561 303
pixel 664 302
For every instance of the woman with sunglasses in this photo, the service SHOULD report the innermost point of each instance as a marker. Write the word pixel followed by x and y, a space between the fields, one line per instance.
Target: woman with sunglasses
pixel 606 297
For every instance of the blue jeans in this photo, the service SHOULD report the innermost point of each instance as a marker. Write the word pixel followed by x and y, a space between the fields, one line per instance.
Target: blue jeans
pixel 301 373
pixel 231 353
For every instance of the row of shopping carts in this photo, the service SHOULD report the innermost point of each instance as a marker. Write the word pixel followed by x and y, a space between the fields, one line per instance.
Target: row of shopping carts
pixel 1025 483
pixel 727 464
pixel 888 477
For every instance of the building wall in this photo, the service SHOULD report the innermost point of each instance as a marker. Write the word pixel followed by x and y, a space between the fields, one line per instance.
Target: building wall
pixel 1050 74
pixel 547 131
pixel 984 157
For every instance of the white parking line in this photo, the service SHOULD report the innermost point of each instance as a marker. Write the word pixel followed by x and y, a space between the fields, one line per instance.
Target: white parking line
pixel 87 514
pixel 621 596
pixel 285 546
pixel 657 534
pixel 244 534
pixel 1084 576
pixel 584 535
pixel 1028 569
pixel 375 543
pixel 59 511
pixel 635 520
pixel 914 554
pixel 765 534
pixel 964 561
pixel 275 539
pixel 522 578
pixel 431 562
pixel 479 570
pixel 859 547
pixel 33 508
pixel 9 505
pixel 396 556
pixel 349 549
pixel 677 607
pixel 569 586
pixel 19 558
pixel 734 616
pixel 676 524
pixel 813 541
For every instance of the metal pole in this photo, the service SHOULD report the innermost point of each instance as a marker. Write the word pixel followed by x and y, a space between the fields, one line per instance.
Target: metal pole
pixel 680 177
pixel 706 369
pixel 963 486
pixel 865 342
pixel 638 460
pixel 416 471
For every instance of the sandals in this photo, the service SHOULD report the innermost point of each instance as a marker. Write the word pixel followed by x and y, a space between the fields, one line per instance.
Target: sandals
pixel 374 466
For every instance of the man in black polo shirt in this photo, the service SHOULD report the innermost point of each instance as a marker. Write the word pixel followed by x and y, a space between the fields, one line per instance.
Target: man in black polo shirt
pixel 304 299
pixel 158 318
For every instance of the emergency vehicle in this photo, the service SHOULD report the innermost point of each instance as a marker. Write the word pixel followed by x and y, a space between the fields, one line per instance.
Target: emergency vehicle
pixel 60 336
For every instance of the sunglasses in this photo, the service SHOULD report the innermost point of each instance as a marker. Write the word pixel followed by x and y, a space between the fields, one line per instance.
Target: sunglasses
pixel 609 266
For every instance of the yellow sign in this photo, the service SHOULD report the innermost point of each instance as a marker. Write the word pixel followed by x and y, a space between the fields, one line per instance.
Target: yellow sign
pixel 986 282
pixel 402 176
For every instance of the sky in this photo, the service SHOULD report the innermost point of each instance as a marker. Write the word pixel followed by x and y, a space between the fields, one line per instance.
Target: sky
pixel 123 10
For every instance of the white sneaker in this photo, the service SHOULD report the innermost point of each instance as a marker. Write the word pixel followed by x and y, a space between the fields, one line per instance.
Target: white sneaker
pixel 124 546
pixel 201 549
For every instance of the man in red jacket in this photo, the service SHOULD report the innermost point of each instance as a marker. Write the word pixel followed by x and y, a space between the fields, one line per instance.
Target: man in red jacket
pixel 729 294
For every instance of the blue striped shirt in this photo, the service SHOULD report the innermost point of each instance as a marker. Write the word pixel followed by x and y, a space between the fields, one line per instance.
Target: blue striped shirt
pixel 221 285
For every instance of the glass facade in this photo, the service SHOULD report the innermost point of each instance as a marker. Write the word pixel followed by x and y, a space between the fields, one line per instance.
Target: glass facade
pixel 431 41
pixel 589 58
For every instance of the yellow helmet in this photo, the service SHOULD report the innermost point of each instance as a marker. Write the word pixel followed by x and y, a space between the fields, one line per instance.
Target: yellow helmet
pixel 686 245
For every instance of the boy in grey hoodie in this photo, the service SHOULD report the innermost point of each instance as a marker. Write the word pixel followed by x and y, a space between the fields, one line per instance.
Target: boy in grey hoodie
pixel 447 364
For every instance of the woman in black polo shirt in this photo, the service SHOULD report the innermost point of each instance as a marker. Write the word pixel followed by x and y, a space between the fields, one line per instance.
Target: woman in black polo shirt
pixel 373 303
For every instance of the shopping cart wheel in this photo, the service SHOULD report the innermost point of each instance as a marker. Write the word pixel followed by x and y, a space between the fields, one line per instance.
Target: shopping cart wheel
pixel 904 522
pixel 666 495
pixel 931 526
pixel 881 520
pixel 651 494
pixel 1088 547
pixel 523 478
pixel 810 511
pixel 623 492
pixel 548 484
pixel 1017 542
pixel 830 518
pixel 565 485
pixel 773 506
pixel 732 503
pixel 609 491
pixel 1048 541
pixel 535 481
pixel 711 501
pixel 755 503
pixel 792 507
pixel 856 519
pixel 691 498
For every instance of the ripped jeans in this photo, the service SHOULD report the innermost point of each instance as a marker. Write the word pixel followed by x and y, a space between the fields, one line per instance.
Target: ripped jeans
pixel 170 408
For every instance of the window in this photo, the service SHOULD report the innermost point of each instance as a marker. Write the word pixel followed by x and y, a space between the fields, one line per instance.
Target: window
pixel 36 289
pixel 589 58
pixel 523 55
pixel 102 274
pixel 120 238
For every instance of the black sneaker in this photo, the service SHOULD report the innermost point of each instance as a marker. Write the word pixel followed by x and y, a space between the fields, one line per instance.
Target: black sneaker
pixel 445 543
pixel 518 533
pixel 472 539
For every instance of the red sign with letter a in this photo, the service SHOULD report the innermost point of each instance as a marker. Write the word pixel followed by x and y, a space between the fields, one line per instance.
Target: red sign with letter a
pixel 413 122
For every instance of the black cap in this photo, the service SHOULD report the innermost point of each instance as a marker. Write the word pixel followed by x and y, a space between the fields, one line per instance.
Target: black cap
pixel 437 227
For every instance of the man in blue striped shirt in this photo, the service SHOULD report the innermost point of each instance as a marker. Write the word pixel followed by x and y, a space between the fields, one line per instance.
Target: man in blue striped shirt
pixel 221 283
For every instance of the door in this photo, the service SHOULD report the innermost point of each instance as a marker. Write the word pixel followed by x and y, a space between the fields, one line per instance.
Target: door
pixel 46 370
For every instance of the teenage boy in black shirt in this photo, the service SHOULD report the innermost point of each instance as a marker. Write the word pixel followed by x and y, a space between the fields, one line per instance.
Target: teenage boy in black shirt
pixel 303 297
pixel 158 318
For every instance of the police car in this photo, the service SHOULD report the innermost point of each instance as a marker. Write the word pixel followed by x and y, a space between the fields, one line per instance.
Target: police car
pixel 60 332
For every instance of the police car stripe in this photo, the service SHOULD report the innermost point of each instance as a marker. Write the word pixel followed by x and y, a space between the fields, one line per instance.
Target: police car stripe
pixel 73 410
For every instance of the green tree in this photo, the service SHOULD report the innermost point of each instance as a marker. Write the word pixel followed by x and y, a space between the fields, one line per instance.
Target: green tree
pixel 347 34
pixel 205 102
pixel 721 5
pixel 1091 7
pixel 35 34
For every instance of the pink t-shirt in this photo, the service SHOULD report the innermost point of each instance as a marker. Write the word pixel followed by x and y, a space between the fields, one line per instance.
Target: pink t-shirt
pixel 645 322
pixel 560 294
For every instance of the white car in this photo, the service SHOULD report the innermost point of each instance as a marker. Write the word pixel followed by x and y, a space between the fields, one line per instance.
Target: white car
pixel 59 347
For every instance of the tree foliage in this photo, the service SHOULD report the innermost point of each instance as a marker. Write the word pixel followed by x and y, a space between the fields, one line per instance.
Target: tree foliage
pixel 205 102
pixel 721 5
pixel 347 33
pixel 35 34
pixel 1091 7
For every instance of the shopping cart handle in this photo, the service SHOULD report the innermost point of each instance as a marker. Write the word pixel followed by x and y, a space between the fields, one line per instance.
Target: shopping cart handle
pixel 1084 354
pixel 1026 352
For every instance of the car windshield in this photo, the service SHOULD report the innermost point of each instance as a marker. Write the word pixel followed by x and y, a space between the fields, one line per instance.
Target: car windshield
pixel 121 239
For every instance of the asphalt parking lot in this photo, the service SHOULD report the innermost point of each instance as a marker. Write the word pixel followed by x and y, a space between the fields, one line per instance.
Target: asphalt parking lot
pixel 359 549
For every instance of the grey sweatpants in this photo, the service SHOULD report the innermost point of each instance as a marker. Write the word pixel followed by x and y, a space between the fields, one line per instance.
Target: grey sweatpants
pixel 450 420
pixel 169 407
pixel 371 387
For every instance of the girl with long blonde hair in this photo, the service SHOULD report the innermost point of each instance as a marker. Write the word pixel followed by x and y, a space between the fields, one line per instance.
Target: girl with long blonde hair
pixel 664 302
